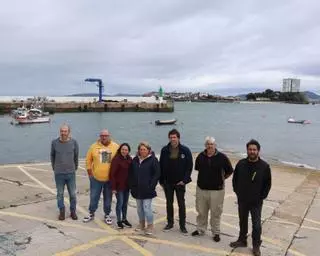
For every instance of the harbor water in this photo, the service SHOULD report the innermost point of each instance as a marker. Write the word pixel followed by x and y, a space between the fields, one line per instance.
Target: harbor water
pixel 231 124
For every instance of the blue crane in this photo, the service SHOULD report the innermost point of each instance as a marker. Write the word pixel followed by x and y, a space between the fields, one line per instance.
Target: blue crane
pixel 100 85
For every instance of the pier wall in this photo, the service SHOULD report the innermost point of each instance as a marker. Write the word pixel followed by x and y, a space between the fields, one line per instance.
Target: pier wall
pixel 67 107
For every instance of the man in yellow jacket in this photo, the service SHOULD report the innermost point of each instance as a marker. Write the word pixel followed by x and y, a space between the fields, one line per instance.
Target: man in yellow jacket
pixel 98 161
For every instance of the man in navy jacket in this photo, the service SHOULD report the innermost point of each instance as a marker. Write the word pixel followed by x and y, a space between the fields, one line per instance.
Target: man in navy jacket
pixel 176 165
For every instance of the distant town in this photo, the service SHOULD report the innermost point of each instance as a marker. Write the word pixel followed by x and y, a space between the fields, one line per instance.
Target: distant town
pixel 290 93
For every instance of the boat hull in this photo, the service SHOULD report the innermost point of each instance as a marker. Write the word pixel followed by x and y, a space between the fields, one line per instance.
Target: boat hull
pixel 165 122
pixel 299 122
pixel 38 120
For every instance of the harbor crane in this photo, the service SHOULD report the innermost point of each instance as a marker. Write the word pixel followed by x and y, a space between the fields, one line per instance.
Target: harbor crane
pixel 100 85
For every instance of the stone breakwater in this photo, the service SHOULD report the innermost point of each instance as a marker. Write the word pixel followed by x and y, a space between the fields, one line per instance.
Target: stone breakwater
pixel 108 106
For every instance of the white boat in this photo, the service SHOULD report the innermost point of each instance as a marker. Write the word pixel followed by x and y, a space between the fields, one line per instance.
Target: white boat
pixel 18 111
pixel 293 121
pixel 31 116
pixel 37 112
pixel 30 120
pixel 165 122
pixel 36 120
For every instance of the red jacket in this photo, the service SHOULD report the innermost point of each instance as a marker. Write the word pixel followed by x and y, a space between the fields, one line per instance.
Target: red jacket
pixel 120 167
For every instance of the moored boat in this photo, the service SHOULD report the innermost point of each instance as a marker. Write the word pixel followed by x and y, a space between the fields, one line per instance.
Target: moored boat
pixel 38 120
pixel 165 122
pixel 37 112
pixel 31 116
pixel 28 120
pixel 293 121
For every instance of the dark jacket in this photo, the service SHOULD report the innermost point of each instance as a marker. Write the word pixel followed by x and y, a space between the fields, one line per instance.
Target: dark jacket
pixel 251 180
pixel 183 169
pixel 119 173
pixel 144 177
pixel 213 170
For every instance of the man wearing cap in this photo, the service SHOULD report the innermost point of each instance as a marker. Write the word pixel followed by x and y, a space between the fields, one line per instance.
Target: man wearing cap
pixel 98 162
pixel 213 168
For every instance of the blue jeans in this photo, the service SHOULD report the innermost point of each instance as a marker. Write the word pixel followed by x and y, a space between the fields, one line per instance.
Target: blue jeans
pixel 68 179
pixel 96 187
pixel 122 204
pixel 144 209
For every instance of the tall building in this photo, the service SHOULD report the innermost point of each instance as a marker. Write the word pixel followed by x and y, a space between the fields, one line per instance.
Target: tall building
pixel 291 85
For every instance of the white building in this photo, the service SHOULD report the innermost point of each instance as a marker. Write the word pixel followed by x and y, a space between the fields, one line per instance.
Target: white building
pixel 291 85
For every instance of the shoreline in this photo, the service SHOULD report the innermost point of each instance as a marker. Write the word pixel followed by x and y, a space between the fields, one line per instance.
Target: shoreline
pixel 234 158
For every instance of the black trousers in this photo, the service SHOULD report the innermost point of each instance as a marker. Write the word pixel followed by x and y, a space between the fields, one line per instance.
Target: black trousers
pixel 180 190
pixel 255 211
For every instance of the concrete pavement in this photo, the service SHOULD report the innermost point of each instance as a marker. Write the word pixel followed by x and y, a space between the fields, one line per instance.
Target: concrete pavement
pixel 29 225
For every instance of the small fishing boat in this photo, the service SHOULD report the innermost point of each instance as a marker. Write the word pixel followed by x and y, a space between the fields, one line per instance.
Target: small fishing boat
pixel 165 122
pixel 293 121
pixel 19 111
pixel 28 118
pixel 37 112
pixel 36 120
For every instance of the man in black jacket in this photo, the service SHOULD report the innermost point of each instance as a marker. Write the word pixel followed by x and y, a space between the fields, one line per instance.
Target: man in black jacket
pixel 176 165
pixel 213 168
pixel 251 183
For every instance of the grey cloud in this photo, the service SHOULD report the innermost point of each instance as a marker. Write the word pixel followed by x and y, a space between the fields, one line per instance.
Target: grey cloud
pixel 51 46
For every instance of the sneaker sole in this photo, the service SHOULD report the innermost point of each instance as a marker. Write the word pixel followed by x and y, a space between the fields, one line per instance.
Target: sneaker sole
pixel 167 230
pixel 239 246
pixel 86 221
pixel 126 226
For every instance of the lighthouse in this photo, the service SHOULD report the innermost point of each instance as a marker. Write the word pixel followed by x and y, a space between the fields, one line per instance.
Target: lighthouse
pixel 160 95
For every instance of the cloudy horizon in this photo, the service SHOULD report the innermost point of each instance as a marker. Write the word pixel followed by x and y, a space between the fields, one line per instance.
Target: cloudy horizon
pixel 228 47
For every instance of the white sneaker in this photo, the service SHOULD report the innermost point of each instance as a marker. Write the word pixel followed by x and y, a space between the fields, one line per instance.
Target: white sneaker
pixel 88 218
pixel 108 219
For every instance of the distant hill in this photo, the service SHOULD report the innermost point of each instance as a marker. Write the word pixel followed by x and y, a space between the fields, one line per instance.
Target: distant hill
pixel 126 95
pixel 86 95
pixel 311 95
pixel 104 95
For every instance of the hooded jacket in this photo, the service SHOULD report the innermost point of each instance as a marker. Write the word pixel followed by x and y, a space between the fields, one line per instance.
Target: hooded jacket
pixel 143 177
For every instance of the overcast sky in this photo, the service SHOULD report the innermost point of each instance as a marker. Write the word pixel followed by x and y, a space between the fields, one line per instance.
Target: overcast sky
pixel 49 47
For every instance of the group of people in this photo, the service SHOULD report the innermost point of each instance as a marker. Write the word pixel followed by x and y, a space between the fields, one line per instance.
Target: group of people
pixel 112 171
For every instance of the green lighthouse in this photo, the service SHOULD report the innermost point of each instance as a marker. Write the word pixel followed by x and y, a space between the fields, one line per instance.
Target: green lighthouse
pixel 160 92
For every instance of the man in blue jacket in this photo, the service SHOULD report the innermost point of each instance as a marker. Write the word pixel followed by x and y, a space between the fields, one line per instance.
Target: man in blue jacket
pixel 176 165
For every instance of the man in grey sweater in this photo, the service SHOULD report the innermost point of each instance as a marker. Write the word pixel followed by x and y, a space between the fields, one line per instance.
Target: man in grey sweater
pixel 64 160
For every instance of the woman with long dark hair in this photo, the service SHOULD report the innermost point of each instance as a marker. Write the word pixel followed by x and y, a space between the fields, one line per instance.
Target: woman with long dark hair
pixel 120 167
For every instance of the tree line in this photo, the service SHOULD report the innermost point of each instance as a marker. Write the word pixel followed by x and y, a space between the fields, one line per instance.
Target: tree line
pixel 290 97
